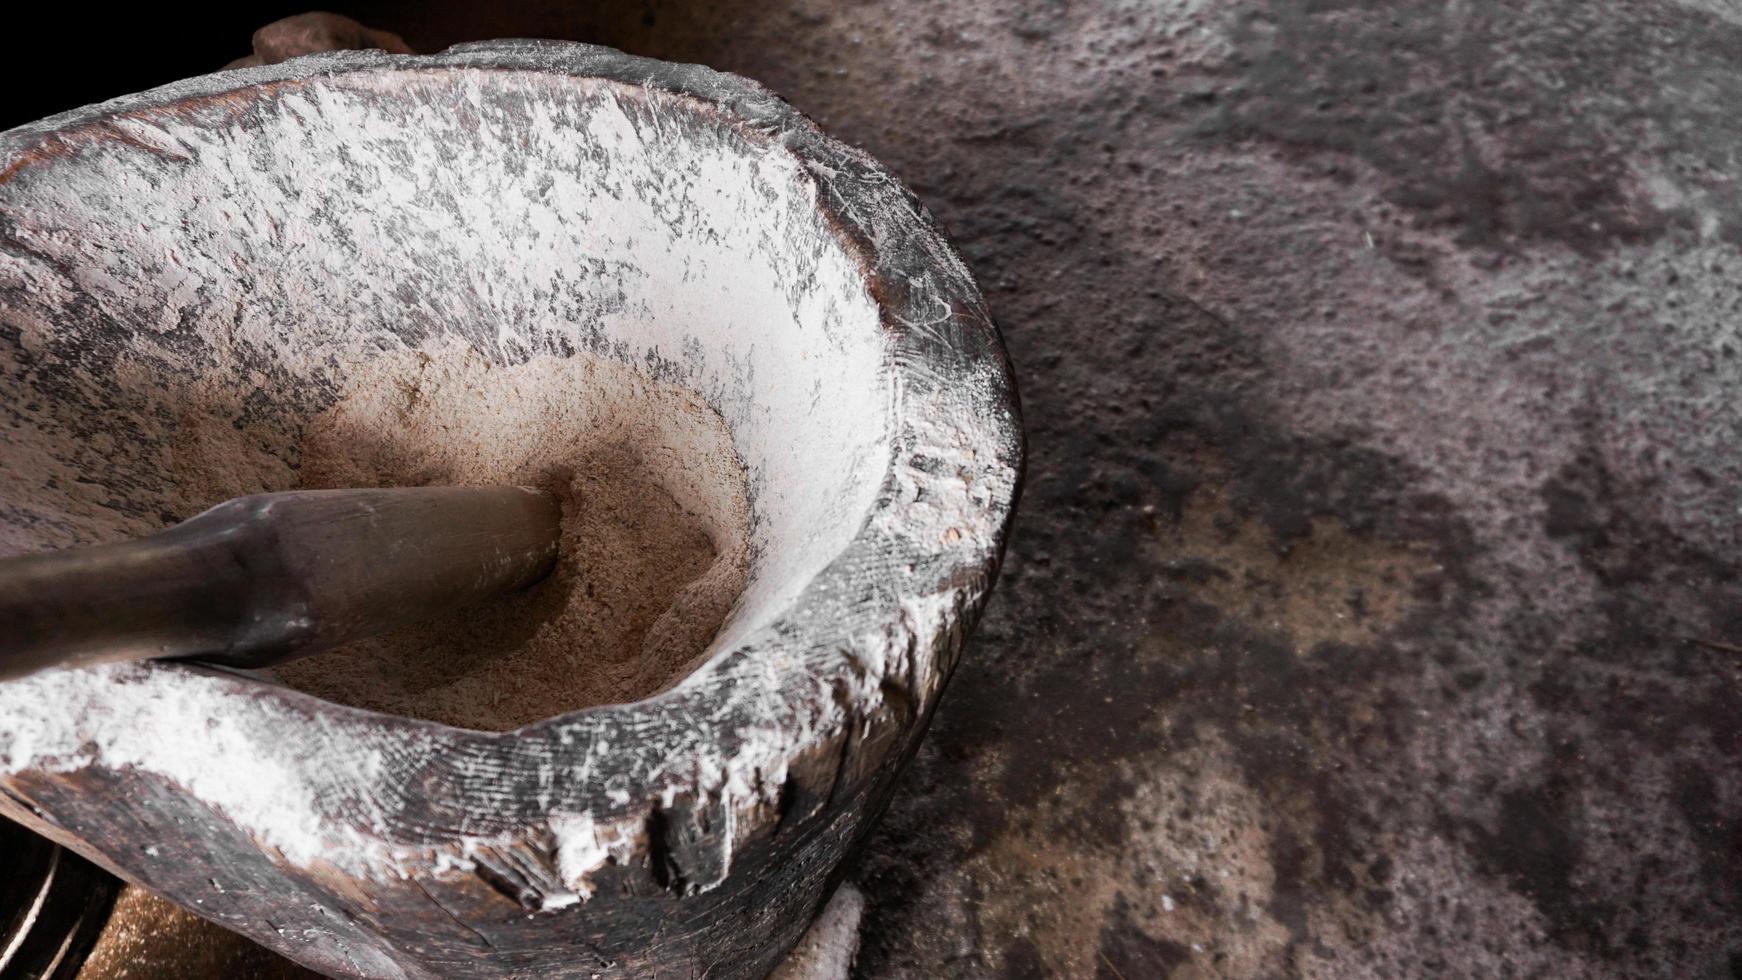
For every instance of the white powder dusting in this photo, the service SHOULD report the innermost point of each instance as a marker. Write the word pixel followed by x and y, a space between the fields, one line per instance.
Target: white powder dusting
pixel 655 543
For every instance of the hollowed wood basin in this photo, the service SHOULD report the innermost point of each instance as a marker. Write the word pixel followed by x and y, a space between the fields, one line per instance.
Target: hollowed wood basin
pixel 266 232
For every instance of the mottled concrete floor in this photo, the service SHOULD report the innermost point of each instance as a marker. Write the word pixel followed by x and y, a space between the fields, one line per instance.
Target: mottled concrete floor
pixel 1373 609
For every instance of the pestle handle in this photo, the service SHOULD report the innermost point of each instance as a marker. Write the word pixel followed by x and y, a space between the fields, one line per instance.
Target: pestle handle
pixel 262 579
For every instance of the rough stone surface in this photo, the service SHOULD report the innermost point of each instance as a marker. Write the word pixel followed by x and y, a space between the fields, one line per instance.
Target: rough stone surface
pixel 1377 363
pixel 1368 609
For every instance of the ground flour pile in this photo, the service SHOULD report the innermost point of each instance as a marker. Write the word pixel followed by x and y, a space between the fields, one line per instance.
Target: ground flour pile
pixel 655 528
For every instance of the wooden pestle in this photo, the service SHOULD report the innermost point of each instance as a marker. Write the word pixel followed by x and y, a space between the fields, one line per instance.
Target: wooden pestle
pixel 266 578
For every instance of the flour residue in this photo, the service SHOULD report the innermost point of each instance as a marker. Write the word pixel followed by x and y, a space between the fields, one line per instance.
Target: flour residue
pixel 655 527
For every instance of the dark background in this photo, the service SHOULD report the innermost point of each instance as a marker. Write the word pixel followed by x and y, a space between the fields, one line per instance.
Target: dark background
pixel 98 53
pixel 73 54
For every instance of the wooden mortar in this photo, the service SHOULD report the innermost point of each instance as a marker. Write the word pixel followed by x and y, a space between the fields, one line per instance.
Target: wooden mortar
pixel 274 229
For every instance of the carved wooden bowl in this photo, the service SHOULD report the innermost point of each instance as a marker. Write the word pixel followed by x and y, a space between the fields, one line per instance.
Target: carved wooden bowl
pixel 272 229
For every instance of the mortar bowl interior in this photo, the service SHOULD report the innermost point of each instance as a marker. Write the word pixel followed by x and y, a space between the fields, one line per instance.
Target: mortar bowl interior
pixel 179 279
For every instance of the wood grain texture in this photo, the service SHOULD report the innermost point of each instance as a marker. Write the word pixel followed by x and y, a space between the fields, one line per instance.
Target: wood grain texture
pixel 273 225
